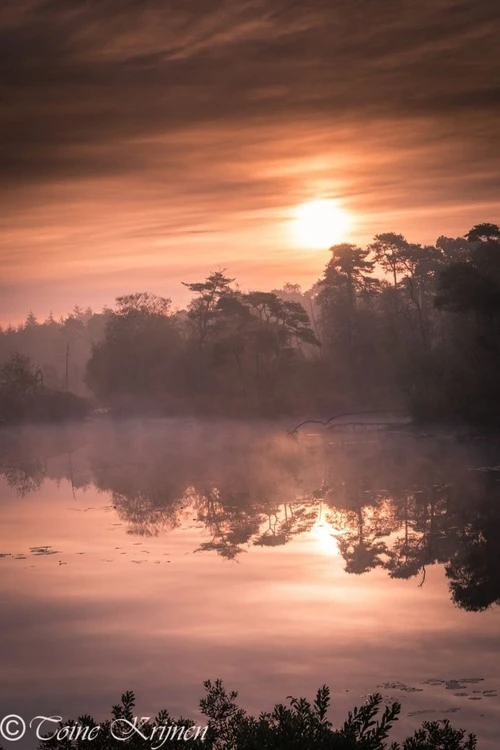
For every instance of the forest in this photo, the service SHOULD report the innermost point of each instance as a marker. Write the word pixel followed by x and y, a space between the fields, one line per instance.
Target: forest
pixel 393 325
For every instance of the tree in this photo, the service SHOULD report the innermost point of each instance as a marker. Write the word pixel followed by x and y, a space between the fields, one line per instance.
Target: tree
pixel 143 303
pixel 485 254
pixel 353 266
pixel 420 266
pixel 137 357
pixel 344 299
pixel 462 288
pixel 390 252
pixel 18 377
pixel 289 319
pixel 31 320
pixel 204 308
pixel 394 325
pixel 484 233
pixel 453 248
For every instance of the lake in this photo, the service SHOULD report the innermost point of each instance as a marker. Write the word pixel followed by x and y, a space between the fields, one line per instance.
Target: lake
pixel 152 555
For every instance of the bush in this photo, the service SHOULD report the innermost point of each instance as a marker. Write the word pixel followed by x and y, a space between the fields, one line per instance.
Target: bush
pixel 299 725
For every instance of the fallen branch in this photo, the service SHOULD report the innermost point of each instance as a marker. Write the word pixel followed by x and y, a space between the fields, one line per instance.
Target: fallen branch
pixel 327 422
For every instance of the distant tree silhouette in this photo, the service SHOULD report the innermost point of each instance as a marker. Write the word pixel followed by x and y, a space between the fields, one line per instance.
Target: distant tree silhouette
pixel 390 252
pixel 204 308
pixel 137 356
pixel 392 325
pixel 18 377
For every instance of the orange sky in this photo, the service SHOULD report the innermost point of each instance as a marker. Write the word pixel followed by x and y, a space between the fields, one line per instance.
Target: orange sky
pixel 145 144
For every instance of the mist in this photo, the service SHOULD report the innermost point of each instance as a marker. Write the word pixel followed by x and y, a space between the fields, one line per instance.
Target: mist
pixel 390 326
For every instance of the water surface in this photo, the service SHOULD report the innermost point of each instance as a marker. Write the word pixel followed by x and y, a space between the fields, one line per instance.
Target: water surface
pixel 153 555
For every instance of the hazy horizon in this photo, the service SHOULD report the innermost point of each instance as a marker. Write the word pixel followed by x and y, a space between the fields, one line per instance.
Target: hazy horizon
pixel 172 287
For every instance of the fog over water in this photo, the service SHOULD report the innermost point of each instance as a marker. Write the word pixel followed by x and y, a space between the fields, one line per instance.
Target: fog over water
pixel 151 555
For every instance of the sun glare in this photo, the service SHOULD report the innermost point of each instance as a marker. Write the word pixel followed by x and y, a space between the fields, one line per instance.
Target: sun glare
pixel 325 540
pixel 319 224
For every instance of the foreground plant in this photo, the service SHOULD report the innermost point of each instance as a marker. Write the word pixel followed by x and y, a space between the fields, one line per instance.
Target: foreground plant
pixel 299 725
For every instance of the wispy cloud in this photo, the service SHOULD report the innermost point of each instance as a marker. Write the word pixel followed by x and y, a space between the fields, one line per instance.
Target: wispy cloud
pixel 133 131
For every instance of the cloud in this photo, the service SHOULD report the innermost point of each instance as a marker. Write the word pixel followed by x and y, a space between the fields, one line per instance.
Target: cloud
pixel 84 79
pixel 125 120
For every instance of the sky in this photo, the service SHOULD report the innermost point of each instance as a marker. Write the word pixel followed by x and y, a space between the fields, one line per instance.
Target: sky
pixel 148 142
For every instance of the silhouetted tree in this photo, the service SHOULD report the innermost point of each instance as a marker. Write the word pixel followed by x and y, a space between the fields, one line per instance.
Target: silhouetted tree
pixel 390 252
pixel 138 354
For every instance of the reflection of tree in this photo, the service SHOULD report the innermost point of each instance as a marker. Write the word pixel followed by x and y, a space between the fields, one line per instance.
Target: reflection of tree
pixel 275 535
pixel 426 534
pixel 404 556
pixel 474 568
pixel 360 542
pixel 145 496
pixel 25 477
pixel 22 463
pixel 297 518
pixel 392 505
pixel 230 524
pixel 29 457
pixel 145 515
pixel 361 514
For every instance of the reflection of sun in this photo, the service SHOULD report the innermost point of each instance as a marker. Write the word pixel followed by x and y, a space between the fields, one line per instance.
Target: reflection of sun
pixel 320 224
pixel 326 542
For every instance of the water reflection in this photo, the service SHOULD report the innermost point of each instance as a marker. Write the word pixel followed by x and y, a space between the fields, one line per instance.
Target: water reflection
pixel 397 503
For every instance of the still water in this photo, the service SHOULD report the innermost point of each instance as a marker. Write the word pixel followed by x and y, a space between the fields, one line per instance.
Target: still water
pixel 154 555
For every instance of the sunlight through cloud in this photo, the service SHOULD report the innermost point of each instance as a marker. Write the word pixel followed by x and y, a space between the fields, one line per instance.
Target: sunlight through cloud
pixel 319 224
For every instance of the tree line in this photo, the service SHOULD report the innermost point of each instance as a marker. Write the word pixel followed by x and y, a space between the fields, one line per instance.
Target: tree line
pixel 391 325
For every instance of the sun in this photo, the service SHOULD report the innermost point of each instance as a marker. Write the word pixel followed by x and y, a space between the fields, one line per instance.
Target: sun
pixel 319 224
